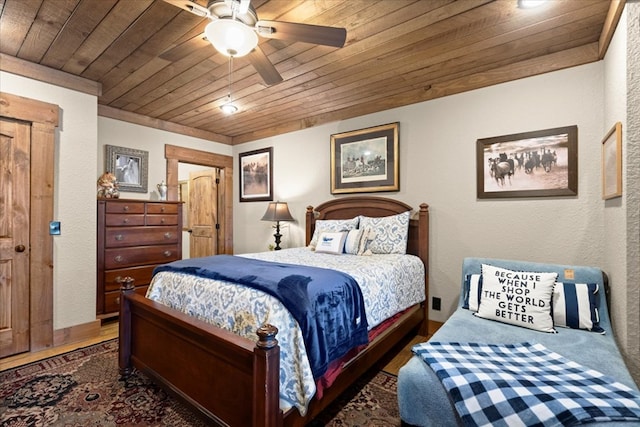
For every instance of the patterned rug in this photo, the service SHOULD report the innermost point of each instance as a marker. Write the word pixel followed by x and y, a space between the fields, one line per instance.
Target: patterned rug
pixel 81 388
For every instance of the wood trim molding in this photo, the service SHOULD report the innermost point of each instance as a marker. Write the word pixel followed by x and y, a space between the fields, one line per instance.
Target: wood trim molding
pixel 44 119
pixel 175 154
pixel 77 333
pixel 139 119
pixel 611 22
pixel 23 68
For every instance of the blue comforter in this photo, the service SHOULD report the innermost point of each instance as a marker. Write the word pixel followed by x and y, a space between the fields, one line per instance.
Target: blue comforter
pixel 327 304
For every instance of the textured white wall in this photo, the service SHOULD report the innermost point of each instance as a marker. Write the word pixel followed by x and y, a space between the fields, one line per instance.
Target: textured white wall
pixel 631 191
pixel 437 166
pixel 74 251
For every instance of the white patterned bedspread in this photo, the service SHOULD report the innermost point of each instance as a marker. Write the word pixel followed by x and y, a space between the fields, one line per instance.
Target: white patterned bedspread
pixel 389 283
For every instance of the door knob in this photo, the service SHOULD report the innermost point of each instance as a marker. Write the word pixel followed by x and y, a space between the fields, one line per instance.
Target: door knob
pixel 20 248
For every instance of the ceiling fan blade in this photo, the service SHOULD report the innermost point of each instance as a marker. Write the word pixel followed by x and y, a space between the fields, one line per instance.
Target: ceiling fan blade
pixel 317 34
pixel 264 67
pixel 191 6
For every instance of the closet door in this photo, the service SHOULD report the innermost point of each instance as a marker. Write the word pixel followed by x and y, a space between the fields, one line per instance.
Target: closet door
pixel 15 142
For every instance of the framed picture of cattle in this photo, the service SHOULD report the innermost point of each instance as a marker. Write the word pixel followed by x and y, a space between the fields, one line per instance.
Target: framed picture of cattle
pixel 541 163
pixel 365 160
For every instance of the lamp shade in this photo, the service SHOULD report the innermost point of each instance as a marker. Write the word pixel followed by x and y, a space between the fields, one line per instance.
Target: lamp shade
pixel 277 211
pixel 231 37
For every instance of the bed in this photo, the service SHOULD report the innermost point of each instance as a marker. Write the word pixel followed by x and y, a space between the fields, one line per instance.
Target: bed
pixel 235 380
pixel 588 341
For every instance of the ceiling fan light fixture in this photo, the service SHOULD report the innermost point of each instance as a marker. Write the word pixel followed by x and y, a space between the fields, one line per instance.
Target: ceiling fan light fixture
pixel 231 37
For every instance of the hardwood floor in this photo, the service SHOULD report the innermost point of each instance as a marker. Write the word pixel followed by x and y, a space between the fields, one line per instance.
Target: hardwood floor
pixel 109 330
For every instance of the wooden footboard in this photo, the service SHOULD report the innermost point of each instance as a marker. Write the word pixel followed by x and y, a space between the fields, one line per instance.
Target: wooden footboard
pixel 228 379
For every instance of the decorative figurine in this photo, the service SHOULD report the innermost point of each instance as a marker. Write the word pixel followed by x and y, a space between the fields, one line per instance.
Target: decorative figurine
pixel 108 186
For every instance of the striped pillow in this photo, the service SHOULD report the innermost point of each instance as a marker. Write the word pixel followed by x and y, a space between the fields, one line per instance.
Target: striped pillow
pixel 472 291
pixel 575 306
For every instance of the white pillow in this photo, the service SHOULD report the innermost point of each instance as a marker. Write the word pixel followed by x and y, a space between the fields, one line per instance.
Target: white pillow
pixel 331 243
pixel 332 225
pixel 518 298
pixel 391 233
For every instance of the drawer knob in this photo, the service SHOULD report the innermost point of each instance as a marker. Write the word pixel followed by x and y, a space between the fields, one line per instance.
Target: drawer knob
pixel 126 220
pixel 162 221
pixel 167 253
pixel 119 237
pixel 118 279
pixel 118 300
pixel 119 258
pixel 162 209
pixel 125 208
pixel 167 235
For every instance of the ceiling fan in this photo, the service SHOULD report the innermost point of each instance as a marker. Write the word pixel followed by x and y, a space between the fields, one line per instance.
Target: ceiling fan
pixel 235 27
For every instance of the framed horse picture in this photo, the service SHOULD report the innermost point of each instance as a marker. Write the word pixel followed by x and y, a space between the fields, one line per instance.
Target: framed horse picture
pixel 541 163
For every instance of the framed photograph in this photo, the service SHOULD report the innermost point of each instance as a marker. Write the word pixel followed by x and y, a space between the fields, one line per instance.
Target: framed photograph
pixel 129 166
pixel 612 163
pixel 256 175
pixel 541 163
pixel 365 160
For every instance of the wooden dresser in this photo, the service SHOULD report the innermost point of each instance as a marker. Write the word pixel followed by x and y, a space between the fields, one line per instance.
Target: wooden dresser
pixel 133 237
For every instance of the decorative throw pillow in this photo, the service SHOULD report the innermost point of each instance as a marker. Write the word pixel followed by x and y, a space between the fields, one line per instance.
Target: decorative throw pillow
pixel 576 305
pixel 368 235
pixel 332 225
pixel 472 291
pixel 391 232
pixel 517 297
pixel 352 243
pixel 331 243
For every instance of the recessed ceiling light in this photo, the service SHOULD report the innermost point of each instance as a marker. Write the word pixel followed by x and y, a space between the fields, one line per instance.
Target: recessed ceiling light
pixel 528 4
pixel 228 108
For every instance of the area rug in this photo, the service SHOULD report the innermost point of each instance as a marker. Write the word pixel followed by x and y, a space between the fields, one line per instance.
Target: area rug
pixel 82 388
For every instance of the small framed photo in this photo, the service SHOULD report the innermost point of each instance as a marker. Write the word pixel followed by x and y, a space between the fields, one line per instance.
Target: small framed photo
pixel 612 163
pixel 256 175
pixel 129 166
pixel 365 160
pixel 541 163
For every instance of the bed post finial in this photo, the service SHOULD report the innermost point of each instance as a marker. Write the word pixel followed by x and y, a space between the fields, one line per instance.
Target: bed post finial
pixel 267 336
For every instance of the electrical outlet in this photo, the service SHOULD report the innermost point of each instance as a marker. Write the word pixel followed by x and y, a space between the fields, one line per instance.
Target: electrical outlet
pixel 435 303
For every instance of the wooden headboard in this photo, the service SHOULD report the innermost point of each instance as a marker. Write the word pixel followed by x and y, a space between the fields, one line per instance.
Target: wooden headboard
pixel 350 207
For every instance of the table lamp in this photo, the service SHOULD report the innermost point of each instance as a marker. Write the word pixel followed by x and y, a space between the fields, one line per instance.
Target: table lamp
pixel 277 211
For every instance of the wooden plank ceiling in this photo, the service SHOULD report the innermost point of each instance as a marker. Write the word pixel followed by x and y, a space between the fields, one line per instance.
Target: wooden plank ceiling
pixel 151 60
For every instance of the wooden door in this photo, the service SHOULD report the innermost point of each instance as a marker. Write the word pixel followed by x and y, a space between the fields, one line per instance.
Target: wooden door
pixel 203 213
pixel 15 142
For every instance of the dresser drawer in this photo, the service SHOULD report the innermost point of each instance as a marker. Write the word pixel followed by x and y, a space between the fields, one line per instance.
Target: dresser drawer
pixel 140 255
pixel 124 207
pixel 119 220
pixel 116 237
pixel 141 275
pixel 162 208
pixel 112 299
pixel 162 219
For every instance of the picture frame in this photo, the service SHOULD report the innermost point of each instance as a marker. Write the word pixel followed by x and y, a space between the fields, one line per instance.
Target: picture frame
pixel 130 167
pixel 256 175
pixel 366 160
pixel 612 163
pixel 542 163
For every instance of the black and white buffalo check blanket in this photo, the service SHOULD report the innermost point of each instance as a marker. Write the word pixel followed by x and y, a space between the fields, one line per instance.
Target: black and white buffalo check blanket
pixel 525 385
